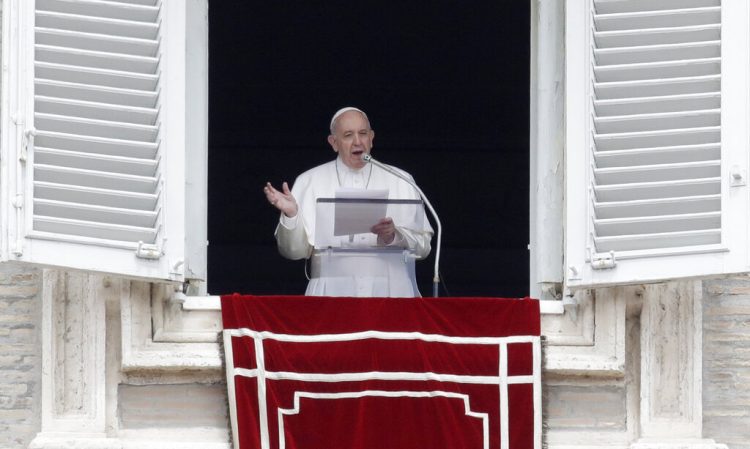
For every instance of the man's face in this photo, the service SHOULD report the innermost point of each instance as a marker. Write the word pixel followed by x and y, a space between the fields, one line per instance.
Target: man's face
pixel 352 138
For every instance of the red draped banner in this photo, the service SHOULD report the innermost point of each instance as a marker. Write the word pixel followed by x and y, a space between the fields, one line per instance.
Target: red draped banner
pixel 377 373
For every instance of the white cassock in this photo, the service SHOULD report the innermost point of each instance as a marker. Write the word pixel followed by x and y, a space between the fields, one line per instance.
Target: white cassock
pixel 361 275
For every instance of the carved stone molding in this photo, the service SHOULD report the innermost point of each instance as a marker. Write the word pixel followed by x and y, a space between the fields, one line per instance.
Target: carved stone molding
pixel 589 338
pixel 671 380
pixel 158 335
pixel 78 410
pixel 73 362
pixel 64 442
pixel 671 361
pixel 157 442
pixel 575 326
pixel 173 323
pixel 697 443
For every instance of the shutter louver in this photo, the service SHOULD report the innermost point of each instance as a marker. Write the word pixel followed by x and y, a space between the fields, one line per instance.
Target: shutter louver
pixel 96 159
pixel 656 125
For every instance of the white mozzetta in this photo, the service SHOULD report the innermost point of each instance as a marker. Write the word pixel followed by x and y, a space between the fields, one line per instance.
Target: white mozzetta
pixel 656 140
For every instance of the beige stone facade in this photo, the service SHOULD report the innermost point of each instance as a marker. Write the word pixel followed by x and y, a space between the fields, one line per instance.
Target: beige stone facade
pixel 726 361
pixel 98 362
pixel 20 355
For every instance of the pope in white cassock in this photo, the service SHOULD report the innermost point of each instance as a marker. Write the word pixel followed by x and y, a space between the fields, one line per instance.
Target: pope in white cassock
pixel 354 274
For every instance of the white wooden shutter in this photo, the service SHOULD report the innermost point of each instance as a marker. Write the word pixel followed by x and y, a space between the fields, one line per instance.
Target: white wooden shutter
pixel 96 149
pixel 100 175
pixel 656 139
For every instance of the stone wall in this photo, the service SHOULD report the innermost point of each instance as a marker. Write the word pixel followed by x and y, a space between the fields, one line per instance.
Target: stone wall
pixel 173 406
pixel 726 361
pixel 585 404
pixel 20 355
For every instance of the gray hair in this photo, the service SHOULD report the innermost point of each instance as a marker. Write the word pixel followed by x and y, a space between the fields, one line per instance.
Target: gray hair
pixel 346 109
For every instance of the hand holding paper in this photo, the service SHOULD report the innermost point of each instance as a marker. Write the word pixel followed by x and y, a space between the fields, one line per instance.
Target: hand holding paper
pixel 385 230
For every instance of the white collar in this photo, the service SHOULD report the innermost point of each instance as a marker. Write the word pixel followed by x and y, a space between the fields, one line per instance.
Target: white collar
pixel 346 174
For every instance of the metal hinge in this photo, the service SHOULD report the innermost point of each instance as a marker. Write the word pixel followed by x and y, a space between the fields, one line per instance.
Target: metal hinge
pixel 148 251
pixel 738 176
pixel 18 203
pixel 177 270
pixel 28 142
pixel 603 261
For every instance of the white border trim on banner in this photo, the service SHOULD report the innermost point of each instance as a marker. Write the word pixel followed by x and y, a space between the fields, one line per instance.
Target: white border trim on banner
pixel 390 394
pixel 380 335
pixel 260 362
pixel 231 373
pixel 382 375
pixel 502 380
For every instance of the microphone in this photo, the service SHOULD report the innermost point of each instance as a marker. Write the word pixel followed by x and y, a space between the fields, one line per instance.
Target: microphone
pixel 436 278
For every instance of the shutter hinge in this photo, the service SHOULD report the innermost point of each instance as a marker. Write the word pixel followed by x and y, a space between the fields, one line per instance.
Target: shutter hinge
pixel 574 274
pixel 18 201
pixel 18 204
pixel 738 177
pixel 28 141
pixel 603 261
pixel 148 251
pixel 178 270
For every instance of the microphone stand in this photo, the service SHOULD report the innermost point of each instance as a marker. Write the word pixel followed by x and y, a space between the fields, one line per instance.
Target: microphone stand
pixel 436 277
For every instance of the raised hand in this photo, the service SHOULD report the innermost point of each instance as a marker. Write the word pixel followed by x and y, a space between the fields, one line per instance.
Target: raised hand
pixel 385 229
pixel 281 200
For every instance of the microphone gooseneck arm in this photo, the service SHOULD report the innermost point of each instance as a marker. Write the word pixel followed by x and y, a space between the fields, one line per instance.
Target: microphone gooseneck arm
pixel 436 276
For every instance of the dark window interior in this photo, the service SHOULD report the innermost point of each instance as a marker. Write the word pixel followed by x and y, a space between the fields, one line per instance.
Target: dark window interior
pixel 446 86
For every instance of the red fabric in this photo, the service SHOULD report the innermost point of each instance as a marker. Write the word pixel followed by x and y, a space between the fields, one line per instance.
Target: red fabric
pixel 383 372
pixel 520 361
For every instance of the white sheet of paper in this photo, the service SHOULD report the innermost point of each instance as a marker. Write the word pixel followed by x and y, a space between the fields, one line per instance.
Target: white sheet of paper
pixel 358 218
